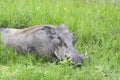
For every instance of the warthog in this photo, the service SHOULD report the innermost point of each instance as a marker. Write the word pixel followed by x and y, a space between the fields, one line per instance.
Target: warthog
pixel 56 43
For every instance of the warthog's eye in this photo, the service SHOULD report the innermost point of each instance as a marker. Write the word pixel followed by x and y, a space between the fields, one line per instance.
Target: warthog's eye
pixel 51 37
pixel 60 40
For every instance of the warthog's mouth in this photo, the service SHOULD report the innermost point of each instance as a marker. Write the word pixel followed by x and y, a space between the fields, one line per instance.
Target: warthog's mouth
pixel 63 53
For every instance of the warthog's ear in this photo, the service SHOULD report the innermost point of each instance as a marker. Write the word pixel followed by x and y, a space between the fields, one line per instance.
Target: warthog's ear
pixel 62 28
pixel 50 30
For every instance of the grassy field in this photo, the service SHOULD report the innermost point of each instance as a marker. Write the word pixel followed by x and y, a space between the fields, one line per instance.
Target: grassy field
pixel 96 25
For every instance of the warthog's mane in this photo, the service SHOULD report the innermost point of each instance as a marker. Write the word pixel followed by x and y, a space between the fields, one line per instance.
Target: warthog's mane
pixel 33 29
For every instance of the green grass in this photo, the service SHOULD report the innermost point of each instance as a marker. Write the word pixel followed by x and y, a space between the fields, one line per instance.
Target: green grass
pixel 96 25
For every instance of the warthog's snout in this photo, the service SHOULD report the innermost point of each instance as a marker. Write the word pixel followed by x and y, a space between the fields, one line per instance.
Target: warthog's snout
pixel 78 60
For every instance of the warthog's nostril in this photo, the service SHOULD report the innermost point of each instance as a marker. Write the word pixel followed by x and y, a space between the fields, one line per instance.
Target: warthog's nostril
pixel 79 65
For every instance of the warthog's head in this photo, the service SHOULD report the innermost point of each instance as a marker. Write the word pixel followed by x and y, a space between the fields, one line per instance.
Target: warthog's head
pixel 63 44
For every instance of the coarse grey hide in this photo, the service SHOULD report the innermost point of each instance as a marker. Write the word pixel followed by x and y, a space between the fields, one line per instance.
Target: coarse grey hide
pixel 56 43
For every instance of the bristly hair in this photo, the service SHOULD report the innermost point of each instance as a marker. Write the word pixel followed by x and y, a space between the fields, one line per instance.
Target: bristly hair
pixel 33 29
pixel 30 30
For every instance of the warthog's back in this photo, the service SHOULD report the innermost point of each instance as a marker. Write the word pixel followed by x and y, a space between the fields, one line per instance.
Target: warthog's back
pixel 8 31
pixel 11 38
pixel 26 40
